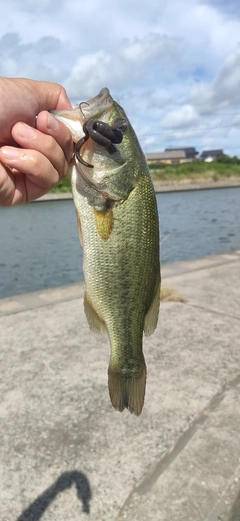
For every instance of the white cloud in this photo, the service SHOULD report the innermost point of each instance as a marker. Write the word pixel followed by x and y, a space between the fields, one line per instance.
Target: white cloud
pixel 185 116
pixel 128 66
pixel 39 60
pixel 172 65
pixel 226 86
pixel 223 92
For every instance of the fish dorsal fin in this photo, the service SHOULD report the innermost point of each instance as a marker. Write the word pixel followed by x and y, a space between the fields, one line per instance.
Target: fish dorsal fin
pixel 104 223
pixel 151 317
pixel 95 323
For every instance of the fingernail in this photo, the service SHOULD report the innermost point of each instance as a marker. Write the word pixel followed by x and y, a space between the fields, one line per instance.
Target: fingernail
pixel 52 123
pixel 25 131
pixel 10 153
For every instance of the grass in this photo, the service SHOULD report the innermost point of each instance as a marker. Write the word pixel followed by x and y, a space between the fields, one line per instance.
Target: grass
pixel 196 171
pixel 169 295
pixel 63 186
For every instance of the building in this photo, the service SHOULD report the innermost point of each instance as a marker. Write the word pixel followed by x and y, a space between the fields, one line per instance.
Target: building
pixel 210 155
pixel 172 156
pixel 191 152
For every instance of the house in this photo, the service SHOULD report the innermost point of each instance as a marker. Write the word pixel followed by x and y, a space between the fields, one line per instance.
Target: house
pixel 166 157
pixel 172 156
pixel 190 152
pixel 210 155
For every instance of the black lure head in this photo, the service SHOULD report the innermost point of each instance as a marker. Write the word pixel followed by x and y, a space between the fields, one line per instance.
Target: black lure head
pixel 102 134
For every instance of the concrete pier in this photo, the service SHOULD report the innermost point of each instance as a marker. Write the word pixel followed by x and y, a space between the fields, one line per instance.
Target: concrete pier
pixel 161 187
pixel 67 455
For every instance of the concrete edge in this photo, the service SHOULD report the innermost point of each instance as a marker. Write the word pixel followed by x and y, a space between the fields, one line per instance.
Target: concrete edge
pixel 36 299
pixel 159 188
pixel 50 296
pixel 188 186
pixel 177 269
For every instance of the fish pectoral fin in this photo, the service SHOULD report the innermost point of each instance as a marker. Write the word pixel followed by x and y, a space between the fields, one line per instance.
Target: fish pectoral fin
pixel 104 223
pixel 95 323
pixel 151 317
pixel 79 227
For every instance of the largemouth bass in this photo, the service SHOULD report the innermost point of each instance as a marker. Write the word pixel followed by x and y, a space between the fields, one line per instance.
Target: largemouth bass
pixel 118 227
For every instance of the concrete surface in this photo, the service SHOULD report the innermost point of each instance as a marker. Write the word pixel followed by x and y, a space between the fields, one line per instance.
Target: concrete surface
pixel 163 186
pixel 66 455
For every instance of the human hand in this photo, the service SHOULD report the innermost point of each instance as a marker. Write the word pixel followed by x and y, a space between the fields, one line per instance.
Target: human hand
pixel 29 172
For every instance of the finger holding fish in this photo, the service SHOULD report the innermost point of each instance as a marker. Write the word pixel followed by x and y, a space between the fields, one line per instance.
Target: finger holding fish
pixel 41 160
pixel 47 124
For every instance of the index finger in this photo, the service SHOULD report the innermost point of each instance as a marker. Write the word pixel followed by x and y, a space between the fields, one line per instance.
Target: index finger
pixel 48 124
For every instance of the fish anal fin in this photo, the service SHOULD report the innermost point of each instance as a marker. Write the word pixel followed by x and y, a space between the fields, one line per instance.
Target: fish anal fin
pixel 95 323
pixel 127 392
pixel 151 317
pixel 104 223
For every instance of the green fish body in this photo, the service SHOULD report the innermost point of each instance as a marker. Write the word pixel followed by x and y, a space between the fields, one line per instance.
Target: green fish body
pixel 118 226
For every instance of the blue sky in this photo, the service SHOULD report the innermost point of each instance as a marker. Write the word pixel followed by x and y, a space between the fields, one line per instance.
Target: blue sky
pixel 174 66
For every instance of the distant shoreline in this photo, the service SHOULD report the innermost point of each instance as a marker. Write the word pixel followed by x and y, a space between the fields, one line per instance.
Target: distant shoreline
pixel 160 187
pixel 186 185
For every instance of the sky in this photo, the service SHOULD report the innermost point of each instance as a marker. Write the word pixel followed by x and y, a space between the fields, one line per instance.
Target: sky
pixel 173 65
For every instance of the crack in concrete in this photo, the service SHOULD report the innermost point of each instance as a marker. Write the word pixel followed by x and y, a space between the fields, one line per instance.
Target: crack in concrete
pixel 214 311
pixel 152 476
pixel 215 513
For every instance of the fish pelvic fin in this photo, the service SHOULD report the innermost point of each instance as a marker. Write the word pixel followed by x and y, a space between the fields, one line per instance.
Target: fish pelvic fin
pixel 95 323
pixel 151 317
pixel 127 391
pixel 104 223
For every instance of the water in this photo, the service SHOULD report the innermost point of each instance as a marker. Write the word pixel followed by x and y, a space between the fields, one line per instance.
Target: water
pixel 39 245
pixel 198 223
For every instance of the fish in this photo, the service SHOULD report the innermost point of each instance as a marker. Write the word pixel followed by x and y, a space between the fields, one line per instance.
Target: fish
pixel 119 230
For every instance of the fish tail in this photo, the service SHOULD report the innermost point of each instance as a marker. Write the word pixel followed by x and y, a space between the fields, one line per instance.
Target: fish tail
pixel 127 391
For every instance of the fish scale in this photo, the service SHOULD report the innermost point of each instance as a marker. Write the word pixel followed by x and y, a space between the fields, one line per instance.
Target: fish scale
pixel 120 237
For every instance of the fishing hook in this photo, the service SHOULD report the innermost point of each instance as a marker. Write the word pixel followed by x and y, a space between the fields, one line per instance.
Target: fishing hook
pixel 80 107
pixel 102 134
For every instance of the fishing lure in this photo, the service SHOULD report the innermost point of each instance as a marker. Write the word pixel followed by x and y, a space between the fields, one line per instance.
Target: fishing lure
pixel 102 134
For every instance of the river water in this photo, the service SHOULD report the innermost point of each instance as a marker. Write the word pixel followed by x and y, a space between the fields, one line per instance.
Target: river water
pixel 39 245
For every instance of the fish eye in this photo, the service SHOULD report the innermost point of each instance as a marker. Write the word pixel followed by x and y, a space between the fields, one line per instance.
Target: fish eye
pixel 120 124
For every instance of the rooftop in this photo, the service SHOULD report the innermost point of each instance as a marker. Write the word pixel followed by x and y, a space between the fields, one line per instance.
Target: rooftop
pixel 189 151
pixel 212 153
pixel 173 154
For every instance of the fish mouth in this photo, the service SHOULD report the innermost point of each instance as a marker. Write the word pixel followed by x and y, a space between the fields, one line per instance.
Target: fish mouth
pixel 97 106
pixel 81 113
